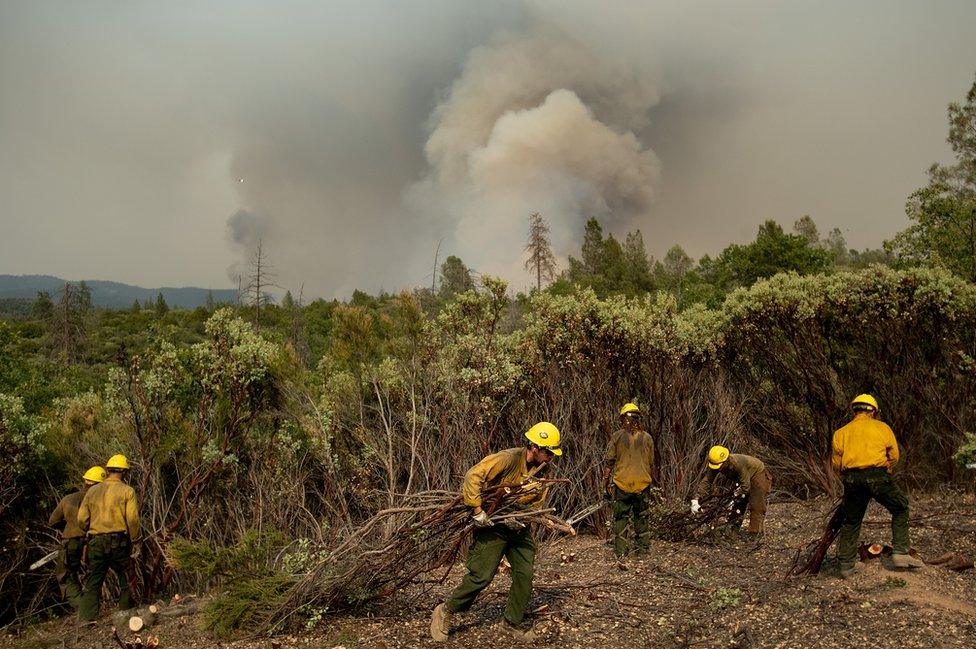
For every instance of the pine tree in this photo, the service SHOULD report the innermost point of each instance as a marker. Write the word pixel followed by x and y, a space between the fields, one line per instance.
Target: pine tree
pixel 455 278
pixel 637 263
pixel 593 249
pixel 84 293
pixel 161 307
pixel 806 228
pixel 541 260
pixel 43 306
pixel 297 336
pixel 674 269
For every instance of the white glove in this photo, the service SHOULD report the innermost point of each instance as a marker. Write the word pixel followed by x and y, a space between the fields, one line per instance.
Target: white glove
pixel 695 507
pixel 481 519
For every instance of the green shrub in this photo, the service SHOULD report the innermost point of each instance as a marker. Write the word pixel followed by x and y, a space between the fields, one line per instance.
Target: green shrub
pixel 966 454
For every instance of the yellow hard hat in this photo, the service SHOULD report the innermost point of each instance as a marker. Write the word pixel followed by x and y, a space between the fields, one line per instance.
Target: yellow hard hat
pixel 866 400
pixel 118 461
pixel 717 455
pixel 95 474
pixel 545 435
pixel 629 408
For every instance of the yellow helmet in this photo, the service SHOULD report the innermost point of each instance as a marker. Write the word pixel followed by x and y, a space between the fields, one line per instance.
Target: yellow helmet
pixel 717 455
pixel 629 408
pixel 545 435
pixel 865 400
pixel 95 474
pixel 118 461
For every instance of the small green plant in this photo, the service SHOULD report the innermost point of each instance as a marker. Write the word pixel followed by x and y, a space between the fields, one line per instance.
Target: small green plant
pixel 966 454
pixel 891 583
pixel 726 598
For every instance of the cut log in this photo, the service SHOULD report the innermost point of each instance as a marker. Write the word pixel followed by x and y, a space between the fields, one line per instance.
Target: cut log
pixel 180 610
pixel 953 561
pixel 142 618
pixel 120 619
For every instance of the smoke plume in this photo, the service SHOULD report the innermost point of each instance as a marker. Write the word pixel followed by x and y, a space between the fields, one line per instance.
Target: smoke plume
pixel 245 230
pixel 537 121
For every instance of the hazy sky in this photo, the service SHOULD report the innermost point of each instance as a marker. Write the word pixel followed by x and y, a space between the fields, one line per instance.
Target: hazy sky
pixel 367 131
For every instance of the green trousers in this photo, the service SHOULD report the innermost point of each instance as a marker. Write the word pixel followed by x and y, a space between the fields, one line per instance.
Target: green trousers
pixel 630 507
pixel 105 552
pixel 69 568
pixel 860 486
pixel 490 545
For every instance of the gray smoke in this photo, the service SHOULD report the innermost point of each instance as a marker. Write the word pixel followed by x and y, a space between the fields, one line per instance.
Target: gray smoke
pixel 245 230
pixel 537 121
pixel 368 131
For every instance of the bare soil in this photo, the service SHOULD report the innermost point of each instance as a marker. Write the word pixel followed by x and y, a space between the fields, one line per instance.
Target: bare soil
pixel 722 594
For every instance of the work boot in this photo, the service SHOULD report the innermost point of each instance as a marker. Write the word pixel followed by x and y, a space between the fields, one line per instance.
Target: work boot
pixel 847 573
pixel 524 635
pixel 440 623
pixel 906 561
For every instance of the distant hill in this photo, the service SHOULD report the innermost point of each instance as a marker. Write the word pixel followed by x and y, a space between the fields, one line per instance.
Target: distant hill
pixel 111 295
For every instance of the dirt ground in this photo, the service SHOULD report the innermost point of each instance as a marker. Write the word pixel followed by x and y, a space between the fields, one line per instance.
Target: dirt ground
pixel 729 594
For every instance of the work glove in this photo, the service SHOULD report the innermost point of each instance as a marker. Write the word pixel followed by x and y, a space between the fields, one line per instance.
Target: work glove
pixel 695 507
pixel 481 519
pixel 135 550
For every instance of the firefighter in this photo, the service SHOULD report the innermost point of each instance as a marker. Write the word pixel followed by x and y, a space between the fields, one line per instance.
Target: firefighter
pixel 864 453
pixel 110 514
pixel 516 467
pixel 72 536
pixel 753 484
pixel 627 475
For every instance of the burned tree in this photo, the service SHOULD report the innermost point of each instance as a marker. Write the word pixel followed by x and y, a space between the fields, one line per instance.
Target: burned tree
pixel 68 322
pixel 254 286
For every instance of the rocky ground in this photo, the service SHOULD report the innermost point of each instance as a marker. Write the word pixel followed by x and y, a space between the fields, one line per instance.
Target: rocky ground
pixel 727 594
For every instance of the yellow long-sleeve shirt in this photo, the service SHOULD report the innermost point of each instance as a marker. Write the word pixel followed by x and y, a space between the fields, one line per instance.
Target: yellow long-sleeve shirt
pixel 110 507
pixel 864 443
pixel 506 467
pixel 67 512
pixel 631 458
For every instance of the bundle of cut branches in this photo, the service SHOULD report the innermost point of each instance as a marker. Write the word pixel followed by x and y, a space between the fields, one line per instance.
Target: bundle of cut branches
pixel 810 558
pixel 400 546
pixel 675 522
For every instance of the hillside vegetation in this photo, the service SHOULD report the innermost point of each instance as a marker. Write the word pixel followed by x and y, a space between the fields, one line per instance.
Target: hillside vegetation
pixel 262 426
